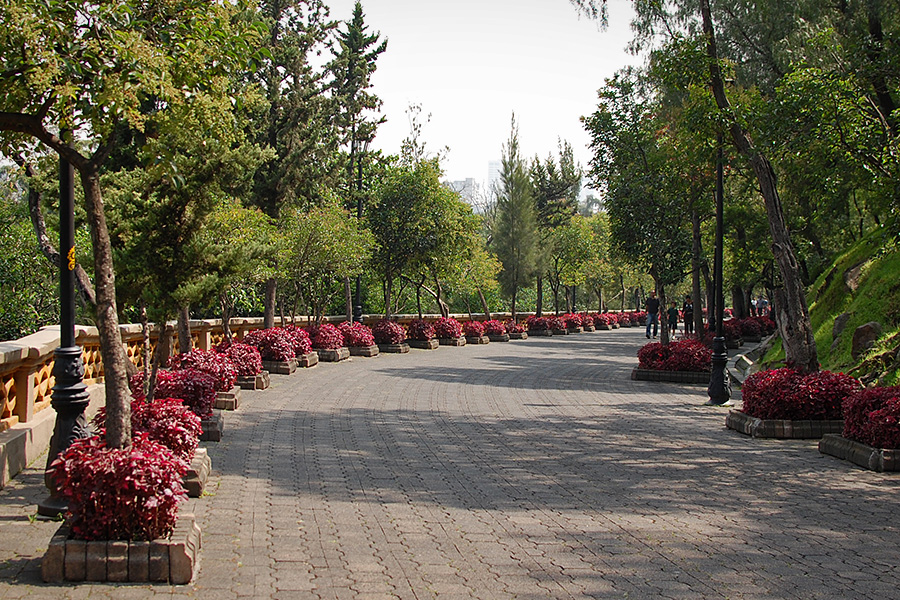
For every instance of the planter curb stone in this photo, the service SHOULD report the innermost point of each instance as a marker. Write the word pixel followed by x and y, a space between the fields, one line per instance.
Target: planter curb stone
pixel 867 457
pixel 781 428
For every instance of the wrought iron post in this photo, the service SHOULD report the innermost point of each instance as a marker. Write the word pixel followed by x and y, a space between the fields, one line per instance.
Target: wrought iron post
pixel 70 397
pixel 719 390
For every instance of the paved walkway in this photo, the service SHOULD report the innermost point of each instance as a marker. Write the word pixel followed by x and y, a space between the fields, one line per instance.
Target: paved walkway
pixel 529 470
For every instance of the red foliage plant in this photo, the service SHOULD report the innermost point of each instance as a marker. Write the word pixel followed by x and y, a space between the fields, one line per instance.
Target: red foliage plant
pixel 787 394
pixel 166 421
pixel 683 355
pixel 120 494
pixel 732 329
pixel 557 323
pixel 274 344
pixel 246 359
pixel 420 329
pixel 587 320
pixel 766 324
pixel 513 327
pixel 325 336
pixel 218 366
pixel 195 388
pixel 473 328
pixel 356 335
pixel 388 332
pixel 872 416
pixel 572 321
pixel 750 327
pixel 494 327
pixel 447 327
pixel 300 339
pixel 538 323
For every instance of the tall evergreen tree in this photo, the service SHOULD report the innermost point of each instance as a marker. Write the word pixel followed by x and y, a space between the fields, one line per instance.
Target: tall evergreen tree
pixel 515 237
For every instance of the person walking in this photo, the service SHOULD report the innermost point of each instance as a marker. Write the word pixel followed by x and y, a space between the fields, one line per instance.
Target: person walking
pixel 687 312
pixel 672 320
pixel 651 305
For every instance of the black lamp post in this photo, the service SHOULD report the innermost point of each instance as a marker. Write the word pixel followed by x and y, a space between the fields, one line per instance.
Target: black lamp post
pixel 70 396
pixel 719 389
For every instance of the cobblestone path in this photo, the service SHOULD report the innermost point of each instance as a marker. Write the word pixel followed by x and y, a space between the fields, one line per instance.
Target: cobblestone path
pixel 525 470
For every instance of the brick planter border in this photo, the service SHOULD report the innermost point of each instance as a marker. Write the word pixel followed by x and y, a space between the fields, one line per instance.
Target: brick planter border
pixel 571 330
pixel 333 355
pixel 280 367
pixel 603 327
pixel 308 360
pixel 693 377
pixel 541 332
pixel 431 344
pixel 196 477
pixel 867 457
pixel 477 339
pixel 590 329
pixel 366 351
pixel 171 560
pixel 499 338
pixel 457 342
pixel 229 400
pixel 560 332
pixel 518 336
pixel 254 382
pixel 213 427
pixel 401 348
pixel 780 428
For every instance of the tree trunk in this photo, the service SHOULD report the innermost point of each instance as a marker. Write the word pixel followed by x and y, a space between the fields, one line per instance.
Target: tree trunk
pixel 145 352
pixel 795 328
pixel 514 303
pixel 161 356
pixel 622 284
pixel 710 295
pixel 269 306
pixel 348 295
pixel 388 284
pixel 739 308
pixel 112 351
pixel 663 316
pixel 539 309
pixel 696 262
pixel 185 342
pixel 226 317
pixel 484 305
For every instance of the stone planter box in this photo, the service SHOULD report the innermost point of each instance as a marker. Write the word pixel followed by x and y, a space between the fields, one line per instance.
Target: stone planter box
pixel 615 325
pixel 477 339
pixel 540 332
pixel 603 327
pixel 280 367
pixel 779 428
pixel 213 427
pixel 694 377
pixel 401 348
pixel 560 332
pixel 367 351
pixel 590 329
pixel 196 477
pixel 733 344
pixel 308 360
pixel 431 344
pixel 460 341
pixel 752 339
pixel 628 324
pixel 259 381
pixel 228 400
pixel 518 336
pixel 171 560
pixel 333 355
pixel 867 457
pixel 571 330
pixel 499 338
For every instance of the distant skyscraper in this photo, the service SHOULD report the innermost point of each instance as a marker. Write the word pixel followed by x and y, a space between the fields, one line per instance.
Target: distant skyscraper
pixel 494 168
pixel 466 188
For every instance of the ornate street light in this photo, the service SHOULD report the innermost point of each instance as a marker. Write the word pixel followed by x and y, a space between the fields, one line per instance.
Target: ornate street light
pixel 719 390
pixel 70 396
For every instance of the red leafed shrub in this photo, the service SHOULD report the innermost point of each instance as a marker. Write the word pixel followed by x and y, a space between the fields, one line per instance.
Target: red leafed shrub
pixel 246 359
pixel 473 329
pixel 602 319
pixel 513 327
pixel 786 394
pixel 872 416
pixel 683 355
pixel 572 321
pixel 274 344
pixel 587 320
pixel 732 329
pixel 300 340
pixel 120 494
pixel 218 366
pixel 325 337
pixel 538 323
pixel 766 324
pixel 420 329
pixel 750 327
pixel 494 327
pixel 727 312
pixel 166 421
pixel 197 389
pixel 388 332
pixel 556 323
pixel 356 335
pixel 638 317
pixel 447 327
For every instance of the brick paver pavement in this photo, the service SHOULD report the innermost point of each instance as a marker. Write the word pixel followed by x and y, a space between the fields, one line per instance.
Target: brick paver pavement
pixel 532 469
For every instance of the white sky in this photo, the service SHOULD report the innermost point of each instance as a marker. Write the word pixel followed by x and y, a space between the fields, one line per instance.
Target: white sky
pixel 471 63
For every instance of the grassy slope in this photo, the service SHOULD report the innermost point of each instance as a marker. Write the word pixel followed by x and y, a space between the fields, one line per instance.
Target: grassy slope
pixel 877 298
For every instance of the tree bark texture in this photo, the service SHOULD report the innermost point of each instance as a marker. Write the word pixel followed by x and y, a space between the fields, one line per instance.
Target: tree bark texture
pixel 696 261
pixel 185 343
pixel 269 308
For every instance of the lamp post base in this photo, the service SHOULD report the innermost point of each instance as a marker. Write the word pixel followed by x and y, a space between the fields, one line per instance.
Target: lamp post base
pixel 719 389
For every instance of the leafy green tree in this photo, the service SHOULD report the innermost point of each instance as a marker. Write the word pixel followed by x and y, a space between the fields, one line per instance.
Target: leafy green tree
pixel 92 69
pixel 515 237
pixel 572 250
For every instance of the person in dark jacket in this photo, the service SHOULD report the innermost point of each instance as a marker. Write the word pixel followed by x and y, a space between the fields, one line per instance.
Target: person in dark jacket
pixel 687 312
pixel 651 305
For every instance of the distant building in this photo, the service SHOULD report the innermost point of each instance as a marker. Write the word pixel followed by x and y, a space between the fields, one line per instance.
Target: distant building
pixel 468 189
pixel 494 168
